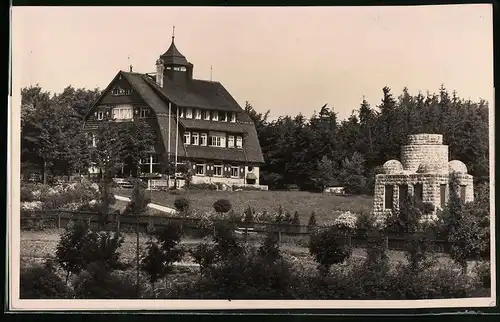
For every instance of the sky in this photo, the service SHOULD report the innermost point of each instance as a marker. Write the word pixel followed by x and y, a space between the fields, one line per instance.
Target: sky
pixel 286 60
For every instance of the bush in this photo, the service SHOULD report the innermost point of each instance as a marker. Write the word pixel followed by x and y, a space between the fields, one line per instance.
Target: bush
pixel 222 206
pixel 202 186
pixel 181 204
pixel 483 273
pixel 41 282
pixel 429 283
pixel 329 247
pixel 96 282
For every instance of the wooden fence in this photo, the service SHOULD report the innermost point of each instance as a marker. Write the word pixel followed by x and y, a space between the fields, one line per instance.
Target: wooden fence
pixel 146 224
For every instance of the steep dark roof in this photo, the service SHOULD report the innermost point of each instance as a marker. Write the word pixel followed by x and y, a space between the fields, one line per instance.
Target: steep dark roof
pixel 211 153
pixel 198 94
pixel 212 126
pixel 173 56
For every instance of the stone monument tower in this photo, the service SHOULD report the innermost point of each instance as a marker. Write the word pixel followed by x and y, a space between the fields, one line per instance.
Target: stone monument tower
pixel 424 173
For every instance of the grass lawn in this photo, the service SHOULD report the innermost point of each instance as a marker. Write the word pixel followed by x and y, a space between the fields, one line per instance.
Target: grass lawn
pixel 326 206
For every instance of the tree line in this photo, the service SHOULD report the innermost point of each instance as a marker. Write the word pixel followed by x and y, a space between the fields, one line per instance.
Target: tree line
pixel 323 150
pixel 309 153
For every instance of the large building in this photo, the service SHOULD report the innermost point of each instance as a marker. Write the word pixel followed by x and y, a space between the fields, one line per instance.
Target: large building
pixel 193 120
pixel 423 172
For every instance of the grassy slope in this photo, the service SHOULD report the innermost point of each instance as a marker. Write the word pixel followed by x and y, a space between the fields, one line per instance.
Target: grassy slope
pixel 326 206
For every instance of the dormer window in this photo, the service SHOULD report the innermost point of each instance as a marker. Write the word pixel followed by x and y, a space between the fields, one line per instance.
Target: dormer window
pixel 239 142
pixel 223 116
pixel 144 112
pixel 189 113
pixel 197 114
pixel 181 112
pixel 233 117
pixel 215 116
pixel 206 115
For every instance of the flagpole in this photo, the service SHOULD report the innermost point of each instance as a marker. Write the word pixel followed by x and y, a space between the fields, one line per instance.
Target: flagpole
pixel 169 135
pixel 176 144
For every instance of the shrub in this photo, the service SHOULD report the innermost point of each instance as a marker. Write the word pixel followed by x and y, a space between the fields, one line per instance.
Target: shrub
pixel 204 255
pixel 419 251
pixel 41 282
pixel 162 253
pixel 483 273
pixel 429 283
pixel 296 218
pixel 222 206
pixel 181 204
pixel 328 248
pixel 96 282
pixel 79 247
pixel 346 222
pixel 202 186
pixel 312 221
pixel 26 194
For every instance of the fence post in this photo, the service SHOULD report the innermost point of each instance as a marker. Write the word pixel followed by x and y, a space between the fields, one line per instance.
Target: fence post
pixel 349 241
pixel 246 235
pixel 387 242
pixel 59 220
pixel 279 235
pixel 118 223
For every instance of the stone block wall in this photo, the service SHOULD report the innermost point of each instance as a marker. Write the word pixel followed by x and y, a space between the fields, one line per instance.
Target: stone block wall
pixel 424 149
pixel 431 189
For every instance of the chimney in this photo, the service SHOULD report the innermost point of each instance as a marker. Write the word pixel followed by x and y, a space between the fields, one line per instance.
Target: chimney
pixel 159 72
pixel 131 68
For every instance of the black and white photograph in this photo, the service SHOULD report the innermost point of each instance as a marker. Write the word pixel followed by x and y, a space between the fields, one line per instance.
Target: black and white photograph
pixel 177 158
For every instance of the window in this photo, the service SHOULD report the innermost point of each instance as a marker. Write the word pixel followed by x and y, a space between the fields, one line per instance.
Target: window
pixel 215 140
pixel 180 69
pixel 122 112
pixel 100 115
pixel 128 91
pixel 418 193
pixel 197 114
pixel 462 193
pixel 223 116
pixel 215 116
pixel 200 169
pixel 187 137
pixel 181 112
pixel 206 115
pixel 149 164
pixel 239 142
pixel 403 193
pixel 234 172
pixel 230 141
pixel 389 194
pixel 442 191
pixel 195 139
pixel 144 112
pixel 203 139
pixel 189 113
pixel 233 117
pixel 218 170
